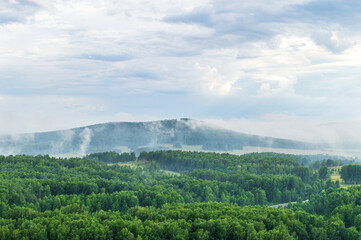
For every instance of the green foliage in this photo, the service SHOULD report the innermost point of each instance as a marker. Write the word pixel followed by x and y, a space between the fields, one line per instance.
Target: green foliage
pixel 331 163
pixel 177 221
pixel 351 174
pixel 112 157
pixel 49 198
pixel 257 163
pixel 324 173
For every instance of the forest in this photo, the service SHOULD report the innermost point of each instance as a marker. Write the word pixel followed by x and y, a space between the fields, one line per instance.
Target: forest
pixel 175 195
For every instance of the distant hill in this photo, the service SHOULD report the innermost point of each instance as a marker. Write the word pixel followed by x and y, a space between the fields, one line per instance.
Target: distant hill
pixel 138 136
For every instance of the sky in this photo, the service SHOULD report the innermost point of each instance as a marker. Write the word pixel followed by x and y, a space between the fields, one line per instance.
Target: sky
pixel 278 68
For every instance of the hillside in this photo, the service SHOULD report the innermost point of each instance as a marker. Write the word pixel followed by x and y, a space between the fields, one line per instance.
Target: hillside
pixel 224 196
pixel 138 136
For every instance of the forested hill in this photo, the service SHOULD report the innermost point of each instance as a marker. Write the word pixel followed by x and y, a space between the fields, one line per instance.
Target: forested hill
pixel 222 196
pixel 138 136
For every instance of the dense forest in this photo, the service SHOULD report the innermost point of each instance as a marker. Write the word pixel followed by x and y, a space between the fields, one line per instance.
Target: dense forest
pixel 173 195
pixel 112 157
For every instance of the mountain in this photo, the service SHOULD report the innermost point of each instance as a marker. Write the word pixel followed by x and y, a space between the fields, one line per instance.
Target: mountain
pixel 139 136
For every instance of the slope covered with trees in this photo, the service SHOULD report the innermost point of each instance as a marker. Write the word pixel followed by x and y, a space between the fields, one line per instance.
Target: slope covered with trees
pixel 138 136
pixel 205 196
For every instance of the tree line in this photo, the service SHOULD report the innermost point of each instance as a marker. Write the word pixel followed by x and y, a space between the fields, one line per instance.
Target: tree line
pixel 112 157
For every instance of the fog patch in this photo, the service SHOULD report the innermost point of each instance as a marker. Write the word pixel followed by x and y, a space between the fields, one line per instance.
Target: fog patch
pixel 159 133
pixel 12 144
pixel 340 134
pixel 195 124
pixel 85 137
pixel 65 138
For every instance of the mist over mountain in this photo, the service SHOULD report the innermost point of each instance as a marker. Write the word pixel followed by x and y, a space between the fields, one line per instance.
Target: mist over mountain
pixel 139 136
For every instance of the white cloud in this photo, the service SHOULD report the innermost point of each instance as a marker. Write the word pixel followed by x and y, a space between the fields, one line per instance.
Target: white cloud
pixel 216 82
pixel 93 59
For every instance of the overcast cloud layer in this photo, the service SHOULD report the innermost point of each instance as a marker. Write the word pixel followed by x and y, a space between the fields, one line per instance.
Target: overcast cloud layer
pixel 70 63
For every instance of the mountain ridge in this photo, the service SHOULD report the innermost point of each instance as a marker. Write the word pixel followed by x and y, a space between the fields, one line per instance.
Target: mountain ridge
pixel 138 136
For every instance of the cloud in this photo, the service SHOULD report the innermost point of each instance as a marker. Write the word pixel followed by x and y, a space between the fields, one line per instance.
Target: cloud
pixel 334 40
pixel 35 113
pixel 79 62
pixel 216 82
pixel 200 16
pixel 334 11
pixel 107 58
pixel 16 10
